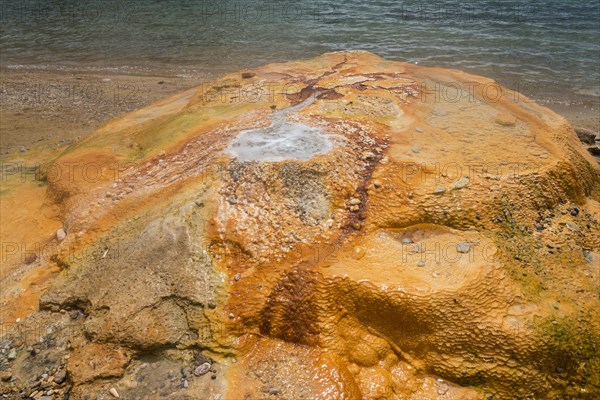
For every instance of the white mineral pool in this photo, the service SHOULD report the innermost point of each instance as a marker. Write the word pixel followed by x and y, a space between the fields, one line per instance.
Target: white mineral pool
pixel 282 140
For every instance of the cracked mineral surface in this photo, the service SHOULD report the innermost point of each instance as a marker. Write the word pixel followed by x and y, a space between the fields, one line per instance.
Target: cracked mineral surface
pixel 336 228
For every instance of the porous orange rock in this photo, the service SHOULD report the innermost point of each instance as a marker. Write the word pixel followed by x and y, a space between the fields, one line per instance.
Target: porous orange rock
pixel 444 246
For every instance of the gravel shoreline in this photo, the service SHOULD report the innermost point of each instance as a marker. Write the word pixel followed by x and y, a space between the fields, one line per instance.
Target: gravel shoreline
pixel 47 108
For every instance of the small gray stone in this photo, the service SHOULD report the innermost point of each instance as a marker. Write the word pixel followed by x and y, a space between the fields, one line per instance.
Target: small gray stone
pixel 415 149
pixel 572 227
pixel 539 227
pixel 407 241
pixel 461 183
pixel 12 354
pixel 232 200
pixel 22 149
pixel 185 384
pixel 421 264
pixel 420 130
pixel 575 211
pixel 237 277
pixel 589 256
pixel 439 190
pixel 60 377
pixel 463 247
pixel 273 391
pixel 202 369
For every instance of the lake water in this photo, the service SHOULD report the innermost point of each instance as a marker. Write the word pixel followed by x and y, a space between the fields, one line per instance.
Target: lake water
pixel 542 48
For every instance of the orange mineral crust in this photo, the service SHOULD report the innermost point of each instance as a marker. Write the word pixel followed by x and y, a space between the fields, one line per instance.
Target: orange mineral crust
pixel 344 227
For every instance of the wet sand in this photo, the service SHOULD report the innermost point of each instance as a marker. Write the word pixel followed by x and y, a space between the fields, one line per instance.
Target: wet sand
pixel 46 109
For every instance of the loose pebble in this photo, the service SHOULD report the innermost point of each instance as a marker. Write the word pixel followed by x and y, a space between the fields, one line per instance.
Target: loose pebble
pixel 12 354
pixel 463 247
pixel 202 369
pixel 61 234
pixel 60 377
pixel 572 227
pixel 588 255
pixel 5 376
pixel 461 183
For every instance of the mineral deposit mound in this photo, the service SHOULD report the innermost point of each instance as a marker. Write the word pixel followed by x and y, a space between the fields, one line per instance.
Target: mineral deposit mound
pixel 345 227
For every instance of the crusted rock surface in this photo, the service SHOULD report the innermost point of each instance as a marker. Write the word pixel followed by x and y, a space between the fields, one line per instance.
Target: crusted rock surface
pixel 443 244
